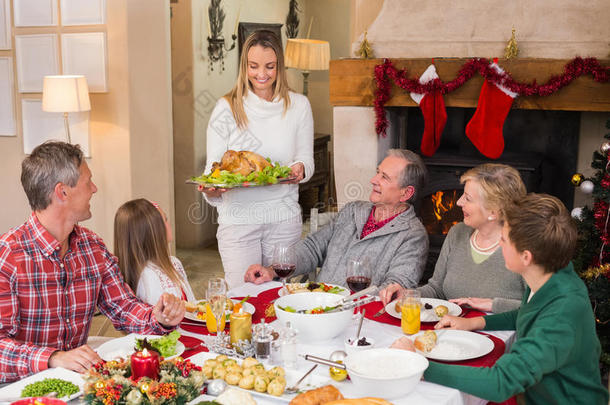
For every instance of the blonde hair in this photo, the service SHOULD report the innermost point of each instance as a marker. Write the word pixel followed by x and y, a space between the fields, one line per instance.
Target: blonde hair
pixel 140 237
pixel 499 184
pixel 235 97
pixel 541 224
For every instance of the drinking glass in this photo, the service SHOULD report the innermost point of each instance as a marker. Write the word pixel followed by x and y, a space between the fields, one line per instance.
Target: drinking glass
pixel 283 262
pixel 358 275
pixel 217 298
pixel 410 305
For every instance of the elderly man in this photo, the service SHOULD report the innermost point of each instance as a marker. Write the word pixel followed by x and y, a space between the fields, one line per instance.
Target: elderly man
pixel 53 274
pixel 384 230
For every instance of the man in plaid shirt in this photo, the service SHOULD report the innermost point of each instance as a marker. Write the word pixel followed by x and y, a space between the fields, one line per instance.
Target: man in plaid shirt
pixel 54 272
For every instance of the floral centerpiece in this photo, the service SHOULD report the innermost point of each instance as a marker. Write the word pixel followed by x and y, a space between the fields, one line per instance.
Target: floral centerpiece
pixel 111 382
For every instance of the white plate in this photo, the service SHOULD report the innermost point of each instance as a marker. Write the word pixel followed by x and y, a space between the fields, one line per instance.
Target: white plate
pixel 14 390
pixel 427 315
pixel 292 376
pixel 456 345
pixel 124 347
pixel 344 291
pixel 246 305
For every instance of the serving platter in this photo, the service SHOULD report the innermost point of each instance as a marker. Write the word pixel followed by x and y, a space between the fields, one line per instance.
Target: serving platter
pixel 427 315
pixel 246 305
pixel 245 184
pixel 14 390
pixel 124 347
pixel 343 291
pixel 457 345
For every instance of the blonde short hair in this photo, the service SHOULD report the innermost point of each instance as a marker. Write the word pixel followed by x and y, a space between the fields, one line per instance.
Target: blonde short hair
pixel 499 184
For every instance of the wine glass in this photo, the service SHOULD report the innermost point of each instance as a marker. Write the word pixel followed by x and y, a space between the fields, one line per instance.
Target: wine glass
pixel 358 275
pixel 283 262
pixel 217 298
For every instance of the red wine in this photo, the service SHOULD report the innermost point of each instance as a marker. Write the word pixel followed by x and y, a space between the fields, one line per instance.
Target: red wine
pixel 358 283
pixel 284 270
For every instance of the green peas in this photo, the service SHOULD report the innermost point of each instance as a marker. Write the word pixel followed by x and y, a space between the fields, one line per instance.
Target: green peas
pixel 40 388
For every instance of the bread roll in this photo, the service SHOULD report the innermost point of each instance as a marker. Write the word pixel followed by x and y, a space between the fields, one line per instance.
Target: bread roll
pixel 426 341
pixel 441 311
pixel 318 396
pixel 190 306
pixel 360 401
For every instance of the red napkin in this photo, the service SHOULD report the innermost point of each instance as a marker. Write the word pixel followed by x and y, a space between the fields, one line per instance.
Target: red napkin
pixel 191 342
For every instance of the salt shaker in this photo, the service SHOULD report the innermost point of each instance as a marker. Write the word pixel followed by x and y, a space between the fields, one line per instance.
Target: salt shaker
pixel 262 340
pixel 288 347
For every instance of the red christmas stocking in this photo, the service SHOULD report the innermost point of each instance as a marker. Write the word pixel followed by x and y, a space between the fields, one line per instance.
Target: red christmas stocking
pixel 485 127
pixel 435 117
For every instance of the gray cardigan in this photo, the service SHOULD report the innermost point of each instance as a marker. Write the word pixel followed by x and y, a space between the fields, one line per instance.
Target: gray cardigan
pixel 456 275
pixel 397 251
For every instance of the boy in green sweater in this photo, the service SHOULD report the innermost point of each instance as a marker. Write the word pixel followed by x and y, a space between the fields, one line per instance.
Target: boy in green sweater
pixel 555 358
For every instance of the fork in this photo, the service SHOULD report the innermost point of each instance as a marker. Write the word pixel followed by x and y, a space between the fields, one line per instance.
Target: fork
pixel 295 387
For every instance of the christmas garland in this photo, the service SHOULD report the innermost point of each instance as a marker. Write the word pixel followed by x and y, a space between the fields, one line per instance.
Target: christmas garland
pixel 386 73
pixel 108 383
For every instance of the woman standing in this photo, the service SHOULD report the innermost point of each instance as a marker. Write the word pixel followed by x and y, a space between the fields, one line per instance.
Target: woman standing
pixel 470 269
pixel 262 115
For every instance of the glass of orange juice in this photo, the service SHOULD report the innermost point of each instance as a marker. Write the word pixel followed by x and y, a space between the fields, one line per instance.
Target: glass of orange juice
pixel 410 305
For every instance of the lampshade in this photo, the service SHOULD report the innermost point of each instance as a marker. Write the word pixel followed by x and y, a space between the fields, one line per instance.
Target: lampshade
pixel 307 54
pixel 68 93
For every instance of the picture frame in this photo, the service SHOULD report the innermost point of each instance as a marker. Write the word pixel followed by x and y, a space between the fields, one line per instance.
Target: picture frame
pixel 5 24
pixel 79 12
pixel 85 54
pixel 8 125
pixel 246 28
pixel 37 56
pixel 41 126
pixel 35 13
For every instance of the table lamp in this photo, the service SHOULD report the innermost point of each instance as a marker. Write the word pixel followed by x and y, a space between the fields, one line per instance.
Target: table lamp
pixel 65 94
pixel 306 55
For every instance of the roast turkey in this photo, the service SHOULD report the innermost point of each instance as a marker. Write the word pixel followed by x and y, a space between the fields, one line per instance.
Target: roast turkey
pixel 243 162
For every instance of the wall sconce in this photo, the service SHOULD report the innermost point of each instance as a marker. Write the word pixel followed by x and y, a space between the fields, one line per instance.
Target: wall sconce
pixel 216 42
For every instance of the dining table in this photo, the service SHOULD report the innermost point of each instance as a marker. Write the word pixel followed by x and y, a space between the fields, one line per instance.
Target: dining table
pixel 383 329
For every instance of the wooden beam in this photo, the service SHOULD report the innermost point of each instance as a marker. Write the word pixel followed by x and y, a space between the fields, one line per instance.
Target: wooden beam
pixel 352 83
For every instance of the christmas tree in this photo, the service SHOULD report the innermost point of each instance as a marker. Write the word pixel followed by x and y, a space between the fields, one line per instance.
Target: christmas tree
pixel 593 252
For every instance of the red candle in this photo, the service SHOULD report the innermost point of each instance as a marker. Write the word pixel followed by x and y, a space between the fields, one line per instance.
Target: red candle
pixel 145 364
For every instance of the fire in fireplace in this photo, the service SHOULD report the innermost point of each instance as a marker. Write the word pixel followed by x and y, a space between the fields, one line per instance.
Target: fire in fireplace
pixel 439 211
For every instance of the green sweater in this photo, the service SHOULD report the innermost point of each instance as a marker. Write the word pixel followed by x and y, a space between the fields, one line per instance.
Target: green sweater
pixel 555 358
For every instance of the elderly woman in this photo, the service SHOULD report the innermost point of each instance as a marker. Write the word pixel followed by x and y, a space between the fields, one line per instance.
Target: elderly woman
pixel 470 269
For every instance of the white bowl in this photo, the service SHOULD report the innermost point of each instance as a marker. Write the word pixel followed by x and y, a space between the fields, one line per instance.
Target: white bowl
pixel 393 372
pixel 352 346
pixel 313 327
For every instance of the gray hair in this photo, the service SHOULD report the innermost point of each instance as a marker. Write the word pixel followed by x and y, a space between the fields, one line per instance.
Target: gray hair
pixel 50 163
pixel 414 174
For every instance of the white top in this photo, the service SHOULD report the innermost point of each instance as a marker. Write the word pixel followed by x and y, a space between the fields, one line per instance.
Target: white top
pixel 154 282
pixel 284 138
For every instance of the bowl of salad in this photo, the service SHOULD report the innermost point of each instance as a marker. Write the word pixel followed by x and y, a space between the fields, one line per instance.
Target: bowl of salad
pixel 308 314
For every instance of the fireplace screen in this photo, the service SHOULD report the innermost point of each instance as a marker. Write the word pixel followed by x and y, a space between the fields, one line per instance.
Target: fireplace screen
pixel 439 211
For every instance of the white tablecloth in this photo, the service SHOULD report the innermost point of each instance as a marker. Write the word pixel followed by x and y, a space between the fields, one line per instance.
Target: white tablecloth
pixel 384 335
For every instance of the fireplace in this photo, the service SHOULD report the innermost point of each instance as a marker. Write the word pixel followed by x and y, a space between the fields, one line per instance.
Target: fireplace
pixel 541 145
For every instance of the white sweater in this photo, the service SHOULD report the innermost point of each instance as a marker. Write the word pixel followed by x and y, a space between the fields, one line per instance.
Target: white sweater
pixel 154 282
pixel 284 138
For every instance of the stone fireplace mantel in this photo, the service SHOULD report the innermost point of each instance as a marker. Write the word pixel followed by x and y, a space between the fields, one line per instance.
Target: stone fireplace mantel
pixel 352 84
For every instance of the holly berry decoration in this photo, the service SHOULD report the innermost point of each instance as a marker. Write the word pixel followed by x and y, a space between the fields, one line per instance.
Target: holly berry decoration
pixel 577 178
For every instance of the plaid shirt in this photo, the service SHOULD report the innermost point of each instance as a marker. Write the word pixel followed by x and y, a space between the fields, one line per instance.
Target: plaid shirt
pixel 47 303
pixel 372 225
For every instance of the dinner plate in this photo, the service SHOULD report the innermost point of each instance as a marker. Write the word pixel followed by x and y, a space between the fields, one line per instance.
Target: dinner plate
pixel 245 184
pixel 456 345
pixel 14 390
pixel 292 376
pixel 427 315
pixel 246 306
pixel 344 291
pixel 124 347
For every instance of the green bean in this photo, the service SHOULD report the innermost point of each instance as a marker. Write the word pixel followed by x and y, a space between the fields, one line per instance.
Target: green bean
pixel 40 388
